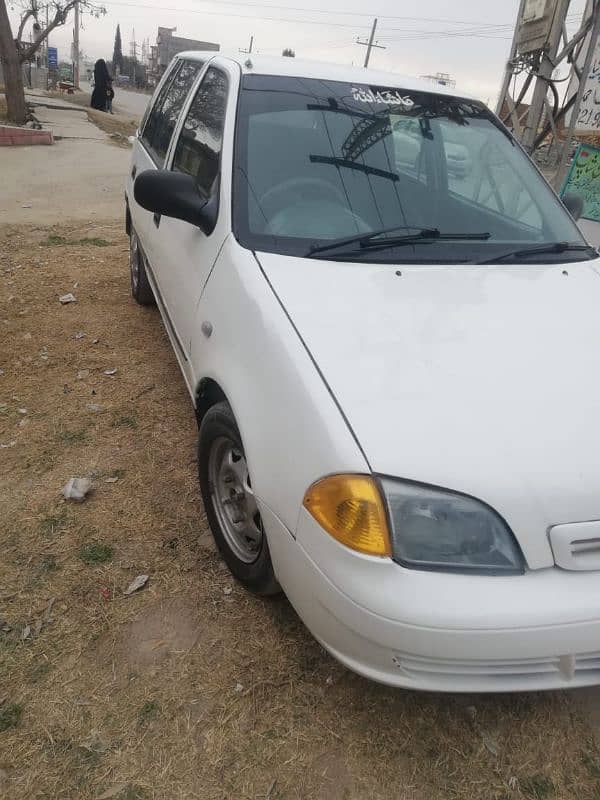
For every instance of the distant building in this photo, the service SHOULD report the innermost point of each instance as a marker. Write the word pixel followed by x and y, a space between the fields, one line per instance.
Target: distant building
pixel 168 46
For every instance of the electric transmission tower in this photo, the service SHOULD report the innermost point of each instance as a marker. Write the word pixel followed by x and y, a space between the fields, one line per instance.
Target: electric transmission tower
pixel 547 80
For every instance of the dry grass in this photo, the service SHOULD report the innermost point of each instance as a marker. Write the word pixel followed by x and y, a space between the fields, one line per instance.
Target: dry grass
pixel 135 697
pixel 117 125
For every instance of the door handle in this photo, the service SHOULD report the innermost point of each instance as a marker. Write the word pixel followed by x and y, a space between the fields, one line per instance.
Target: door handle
pixel 156 218
pixel 133 171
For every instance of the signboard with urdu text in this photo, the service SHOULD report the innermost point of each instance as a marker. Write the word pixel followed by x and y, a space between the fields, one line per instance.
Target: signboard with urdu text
pixel 52 58
pixel 584 179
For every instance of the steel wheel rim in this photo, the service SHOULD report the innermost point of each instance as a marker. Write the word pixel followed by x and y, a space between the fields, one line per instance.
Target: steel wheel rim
pixel 233 500
pixel 134 260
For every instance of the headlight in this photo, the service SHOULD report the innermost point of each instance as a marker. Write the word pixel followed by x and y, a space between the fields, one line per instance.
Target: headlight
pixel 438 530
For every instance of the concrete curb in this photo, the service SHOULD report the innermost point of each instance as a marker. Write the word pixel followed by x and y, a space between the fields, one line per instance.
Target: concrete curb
pixel 11 136
pixel 56 107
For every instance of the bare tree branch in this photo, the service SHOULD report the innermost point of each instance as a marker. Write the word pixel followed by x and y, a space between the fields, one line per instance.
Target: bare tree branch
pixel 31 12
pixel 61 13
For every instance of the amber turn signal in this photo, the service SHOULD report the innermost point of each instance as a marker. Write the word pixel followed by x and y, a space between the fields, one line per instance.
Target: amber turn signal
pixel 350 508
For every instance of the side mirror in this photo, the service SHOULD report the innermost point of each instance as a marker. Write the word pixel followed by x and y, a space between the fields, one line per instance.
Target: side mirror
pixel 175 194
pixel 574 205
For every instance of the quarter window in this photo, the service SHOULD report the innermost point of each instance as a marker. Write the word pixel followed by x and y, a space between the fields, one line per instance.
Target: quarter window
pixel 198 151
pixel 163 117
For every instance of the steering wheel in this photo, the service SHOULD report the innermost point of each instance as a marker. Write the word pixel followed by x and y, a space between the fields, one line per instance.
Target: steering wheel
pixel 298 190
pixel 309 207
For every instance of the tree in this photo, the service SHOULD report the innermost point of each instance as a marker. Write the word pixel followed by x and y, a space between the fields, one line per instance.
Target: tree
pixel 136 71
pixel 117 59
pixel 14 51
pixel 288 52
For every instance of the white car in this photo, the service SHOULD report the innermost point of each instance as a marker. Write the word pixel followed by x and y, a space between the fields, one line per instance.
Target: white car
pixel 395 376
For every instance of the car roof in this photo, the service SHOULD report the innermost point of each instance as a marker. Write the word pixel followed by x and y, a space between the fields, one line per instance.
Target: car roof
pixel 252 64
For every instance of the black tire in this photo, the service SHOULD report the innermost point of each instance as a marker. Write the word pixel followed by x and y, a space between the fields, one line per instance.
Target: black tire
pixel 218 425
pixel 140 285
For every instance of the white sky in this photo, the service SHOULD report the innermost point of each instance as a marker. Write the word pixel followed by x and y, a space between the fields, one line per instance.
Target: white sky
pixel 470 39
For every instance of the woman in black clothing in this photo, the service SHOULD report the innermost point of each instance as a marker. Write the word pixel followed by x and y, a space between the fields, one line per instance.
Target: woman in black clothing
pixel 102 85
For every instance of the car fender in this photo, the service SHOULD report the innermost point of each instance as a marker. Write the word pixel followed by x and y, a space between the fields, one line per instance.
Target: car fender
pixel 292 428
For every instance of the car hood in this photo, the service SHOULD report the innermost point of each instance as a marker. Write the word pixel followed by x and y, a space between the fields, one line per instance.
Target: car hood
pixel 480 379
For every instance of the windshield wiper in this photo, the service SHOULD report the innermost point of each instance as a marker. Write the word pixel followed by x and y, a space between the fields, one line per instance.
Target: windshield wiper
pixel 374 240
pixel 553 247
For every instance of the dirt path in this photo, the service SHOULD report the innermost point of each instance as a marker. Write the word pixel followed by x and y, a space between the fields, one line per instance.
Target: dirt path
pixel 190 688
pixel 74 179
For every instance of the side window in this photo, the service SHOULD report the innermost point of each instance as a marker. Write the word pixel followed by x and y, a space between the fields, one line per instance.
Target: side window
pixel 198 151
pixel 163 116
pixel 148 123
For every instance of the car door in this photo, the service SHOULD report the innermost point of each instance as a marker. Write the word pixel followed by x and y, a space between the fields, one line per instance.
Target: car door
pixel 184 254
pixel 152 144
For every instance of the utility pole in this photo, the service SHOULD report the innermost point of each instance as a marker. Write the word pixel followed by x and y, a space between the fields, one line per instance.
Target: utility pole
pixel 47 54
pixel 76 48
pixel 370 44
pixel 545 69
pixel 133 48
pixel 249 50
pixel 532 102
pixel 508 71
pixel 581 91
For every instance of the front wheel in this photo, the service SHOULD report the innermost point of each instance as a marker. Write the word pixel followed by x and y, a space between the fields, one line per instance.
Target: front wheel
pixel 140 285
pixel 230 502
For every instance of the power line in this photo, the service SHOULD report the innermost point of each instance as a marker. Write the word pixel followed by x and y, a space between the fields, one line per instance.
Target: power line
pixel 230 14
pixel 345 13
pixel 483 25
pixel 483 30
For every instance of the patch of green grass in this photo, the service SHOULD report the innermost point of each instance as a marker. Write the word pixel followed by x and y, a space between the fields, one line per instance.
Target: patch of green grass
pixel 48 563
pixel 75 758
pixel 96 241
pixel 8 642
pixel 39 671
pixel 54 240
pixel 10 716
pixel 95 553
pixel 71 437
pixel 125 421
pixel 592 764
pixel 53 523
pixel 132 792
pixel 148 711
pixel 538 787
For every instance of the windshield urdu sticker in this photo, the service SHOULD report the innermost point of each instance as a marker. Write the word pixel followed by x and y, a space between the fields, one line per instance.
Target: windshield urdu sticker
pixel 385 96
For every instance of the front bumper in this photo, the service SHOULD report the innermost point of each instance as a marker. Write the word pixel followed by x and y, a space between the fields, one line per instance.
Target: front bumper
pixel 437 631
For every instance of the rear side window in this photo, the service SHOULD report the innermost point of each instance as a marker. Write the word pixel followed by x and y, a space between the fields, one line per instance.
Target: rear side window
pixel 198 151
pixel 163 116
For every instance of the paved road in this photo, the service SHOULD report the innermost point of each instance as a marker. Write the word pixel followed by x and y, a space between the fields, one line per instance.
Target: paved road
pixel 127 102
pixel 133 103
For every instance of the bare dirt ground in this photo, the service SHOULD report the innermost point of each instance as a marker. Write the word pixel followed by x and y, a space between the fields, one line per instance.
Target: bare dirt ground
pixel 190 688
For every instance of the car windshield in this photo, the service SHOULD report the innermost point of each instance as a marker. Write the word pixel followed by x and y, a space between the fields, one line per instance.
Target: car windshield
pixel 318 161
